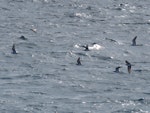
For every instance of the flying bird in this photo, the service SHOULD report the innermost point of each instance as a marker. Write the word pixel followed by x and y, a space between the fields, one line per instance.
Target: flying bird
pixel 78 61
pixel 117 69
pixel 13 49
pixel 128 66
pixel 23 37
pixel 86 48
pixel 134 41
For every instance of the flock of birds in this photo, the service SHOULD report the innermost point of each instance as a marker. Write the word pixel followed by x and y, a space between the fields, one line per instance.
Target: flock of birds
pixel 128 64
pixel 86 48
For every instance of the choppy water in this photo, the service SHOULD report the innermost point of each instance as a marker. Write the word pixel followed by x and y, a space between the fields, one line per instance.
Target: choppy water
pixel 44 78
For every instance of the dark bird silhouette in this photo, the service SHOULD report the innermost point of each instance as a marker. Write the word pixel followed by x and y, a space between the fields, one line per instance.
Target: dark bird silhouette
pixel 134 41
pixel 128 66
pixel 111 40
pixel 117 69
pixel 86 48
pixel 13 49
pixel 23 38
pixel 78 61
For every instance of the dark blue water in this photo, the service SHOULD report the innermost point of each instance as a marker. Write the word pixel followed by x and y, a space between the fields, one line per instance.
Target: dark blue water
pixel 44 78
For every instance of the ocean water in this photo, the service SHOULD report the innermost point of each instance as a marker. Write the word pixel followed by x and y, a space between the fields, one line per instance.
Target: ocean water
pixel 44 78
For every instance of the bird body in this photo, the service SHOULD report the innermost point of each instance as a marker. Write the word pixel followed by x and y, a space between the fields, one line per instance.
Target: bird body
pixel 128 66
pixel 117 69
pixel 13 49
pixel 78 61
pixel 134 41
pixel 86 48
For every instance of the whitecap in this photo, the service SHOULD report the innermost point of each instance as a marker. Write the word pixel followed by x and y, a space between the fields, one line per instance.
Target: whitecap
pixel 96 47
pixel 76 46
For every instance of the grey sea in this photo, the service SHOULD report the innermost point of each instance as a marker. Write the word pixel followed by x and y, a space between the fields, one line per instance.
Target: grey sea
pixel 44 78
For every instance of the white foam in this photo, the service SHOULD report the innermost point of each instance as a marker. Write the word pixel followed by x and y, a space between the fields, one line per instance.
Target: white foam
pixel 96 47
pixel 76 46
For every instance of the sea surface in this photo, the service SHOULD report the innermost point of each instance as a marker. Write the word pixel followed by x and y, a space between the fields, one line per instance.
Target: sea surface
pixel 44 78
